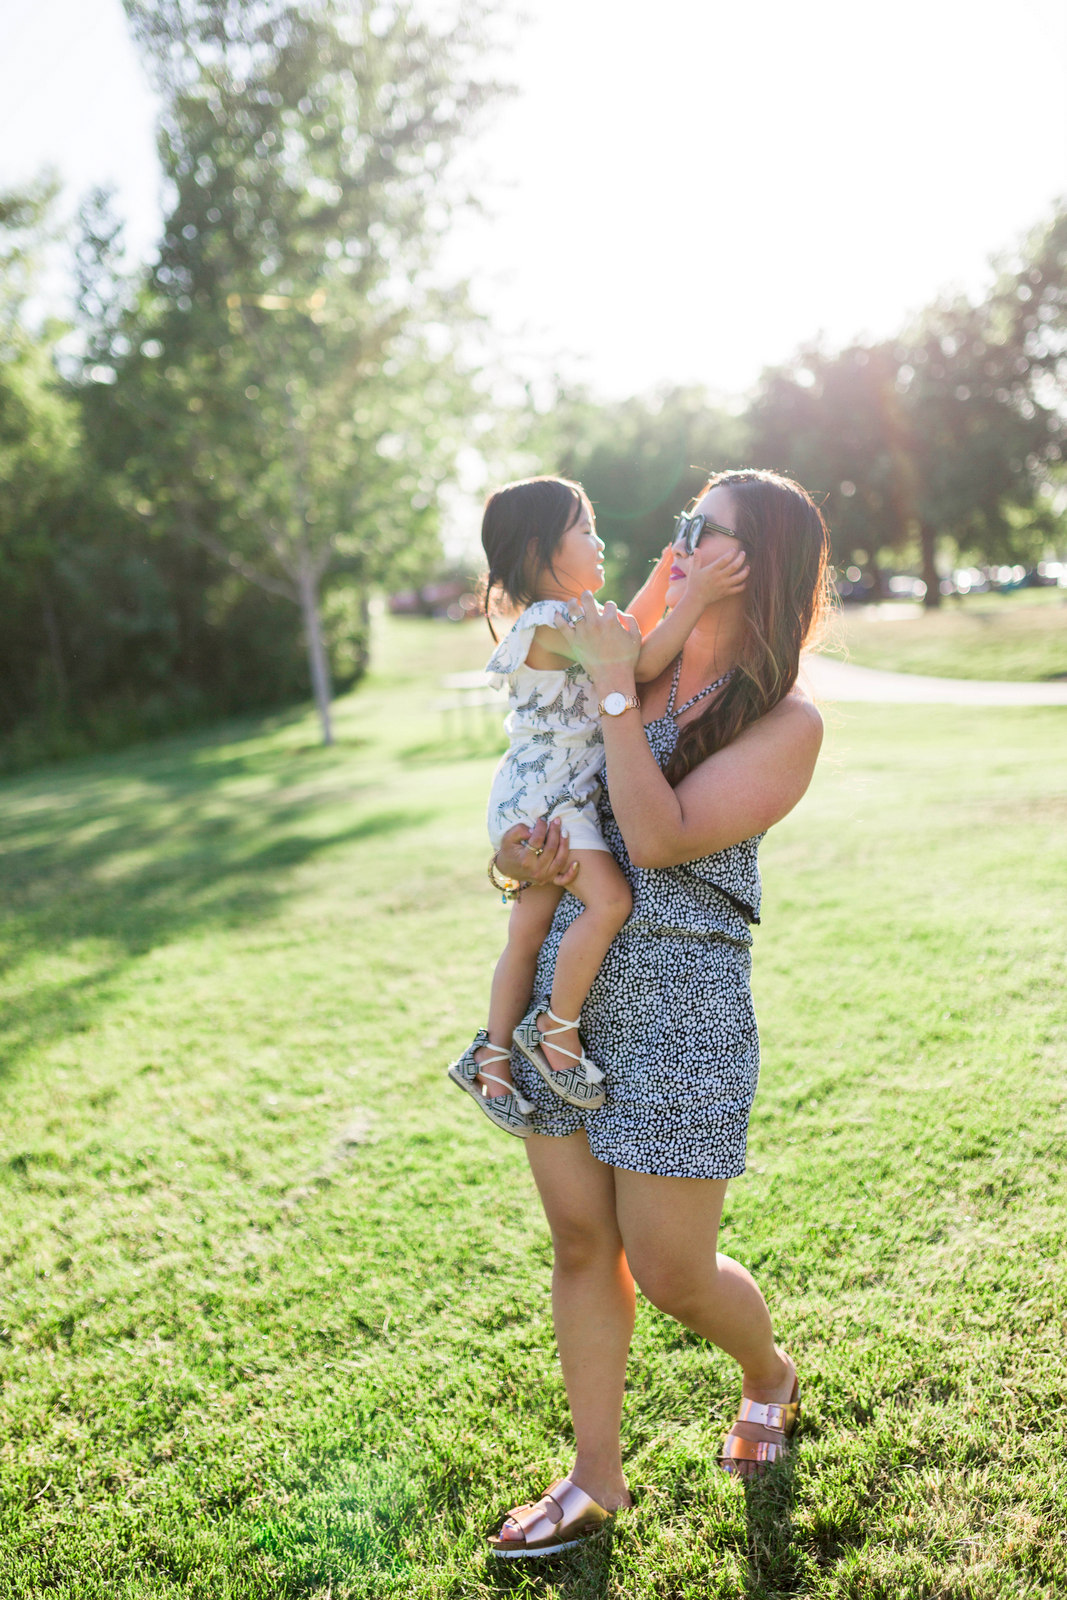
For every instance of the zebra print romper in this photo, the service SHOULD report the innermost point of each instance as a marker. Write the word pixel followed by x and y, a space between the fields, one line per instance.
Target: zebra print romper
pixel 554 763
pixel 669 1016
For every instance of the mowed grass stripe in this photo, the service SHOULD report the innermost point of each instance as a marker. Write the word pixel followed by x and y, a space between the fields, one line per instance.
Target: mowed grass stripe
pixel 274 1299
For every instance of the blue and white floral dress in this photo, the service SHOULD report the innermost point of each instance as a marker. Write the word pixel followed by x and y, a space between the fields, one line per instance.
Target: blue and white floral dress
pixel 554 763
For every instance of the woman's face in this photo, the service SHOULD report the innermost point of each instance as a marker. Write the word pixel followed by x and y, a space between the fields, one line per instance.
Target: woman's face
pixel 717 506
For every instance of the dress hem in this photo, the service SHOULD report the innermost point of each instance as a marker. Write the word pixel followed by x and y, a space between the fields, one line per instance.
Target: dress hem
pixel 645 1172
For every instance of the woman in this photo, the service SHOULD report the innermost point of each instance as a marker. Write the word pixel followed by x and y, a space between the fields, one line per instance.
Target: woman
pixel 712 754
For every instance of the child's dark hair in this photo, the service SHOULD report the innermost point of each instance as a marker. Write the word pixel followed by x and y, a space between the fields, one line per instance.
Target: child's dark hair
pixel 522 527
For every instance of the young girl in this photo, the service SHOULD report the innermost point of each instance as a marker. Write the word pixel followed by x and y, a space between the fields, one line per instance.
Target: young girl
pixel 541 543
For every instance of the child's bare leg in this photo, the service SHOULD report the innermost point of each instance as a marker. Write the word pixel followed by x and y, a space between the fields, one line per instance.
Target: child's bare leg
pixel 604 892
pixel 528 925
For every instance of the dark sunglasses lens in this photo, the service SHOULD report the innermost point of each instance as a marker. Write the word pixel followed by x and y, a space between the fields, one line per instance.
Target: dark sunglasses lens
pixel 693 533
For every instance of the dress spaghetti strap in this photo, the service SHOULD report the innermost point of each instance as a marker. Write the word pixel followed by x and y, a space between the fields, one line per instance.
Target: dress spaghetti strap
pixel 674 688
pixel 709 689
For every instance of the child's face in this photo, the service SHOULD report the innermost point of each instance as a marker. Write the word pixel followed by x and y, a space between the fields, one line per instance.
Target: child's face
pixel 578 563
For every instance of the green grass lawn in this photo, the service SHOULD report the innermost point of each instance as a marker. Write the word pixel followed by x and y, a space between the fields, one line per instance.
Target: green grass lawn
pixel 273 1306
pixel 1018 636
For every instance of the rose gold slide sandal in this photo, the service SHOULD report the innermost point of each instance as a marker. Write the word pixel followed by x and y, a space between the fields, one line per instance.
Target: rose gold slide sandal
pixel 564 1517
pixel 761 1453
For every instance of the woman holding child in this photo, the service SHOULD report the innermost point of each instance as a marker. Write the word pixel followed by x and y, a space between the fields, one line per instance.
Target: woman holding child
pixel 632 1145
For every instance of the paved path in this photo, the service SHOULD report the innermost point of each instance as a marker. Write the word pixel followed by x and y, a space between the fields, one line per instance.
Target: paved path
pixel 827 679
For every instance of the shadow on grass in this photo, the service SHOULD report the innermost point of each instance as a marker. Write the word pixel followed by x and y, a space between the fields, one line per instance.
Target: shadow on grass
pixel 442 750
pixel 769 1505
pixel 137 851
pixel 585 1574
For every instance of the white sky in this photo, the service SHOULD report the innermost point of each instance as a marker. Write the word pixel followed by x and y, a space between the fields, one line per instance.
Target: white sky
pixel 683 197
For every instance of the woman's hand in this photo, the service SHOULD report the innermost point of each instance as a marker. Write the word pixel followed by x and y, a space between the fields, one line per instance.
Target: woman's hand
pixel 606 641
pixel 540 854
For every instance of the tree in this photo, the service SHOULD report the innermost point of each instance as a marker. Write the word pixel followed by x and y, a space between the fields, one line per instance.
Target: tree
pixel 106 633
pixel 1030 305
pixel 38 452
pixel 836 423
pixel 296 368
pixel 977 436
pixel 935 437
pixel 38 467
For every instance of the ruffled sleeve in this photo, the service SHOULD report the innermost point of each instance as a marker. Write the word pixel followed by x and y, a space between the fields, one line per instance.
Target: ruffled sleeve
pixel 514 647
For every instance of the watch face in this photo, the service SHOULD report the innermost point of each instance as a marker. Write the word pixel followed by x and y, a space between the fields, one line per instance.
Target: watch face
pixel 615 703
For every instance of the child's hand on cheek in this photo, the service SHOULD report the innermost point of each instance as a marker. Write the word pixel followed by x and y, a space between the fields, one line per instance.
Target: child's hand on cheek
pixel 716 580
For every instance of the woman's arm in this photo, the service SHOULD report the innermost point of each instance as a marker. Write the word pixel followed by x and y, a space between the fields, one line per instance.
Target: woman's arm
pixel 650 601
pixel 741 790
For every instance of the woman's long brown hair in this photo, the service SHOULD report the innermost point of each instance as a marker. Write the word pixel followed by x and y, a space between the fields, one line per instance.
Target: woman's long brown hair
pixel 786 600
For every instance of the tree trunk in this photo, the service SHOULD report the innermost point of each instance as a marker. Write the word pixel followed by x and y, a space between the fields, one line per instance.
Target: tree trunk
pixel 317 658
pixel 877 577
pixel 51 630
pixel 931 577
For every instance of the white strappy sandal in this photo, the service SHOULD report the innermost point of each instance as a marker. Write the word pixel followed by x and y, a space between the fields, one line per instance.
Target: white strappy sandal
pixel 509 1111
pixel 577 1085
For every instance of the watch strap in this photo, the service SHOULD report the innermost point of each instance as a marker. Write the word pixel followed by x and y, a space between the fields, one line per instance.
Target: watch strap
pixel 630 703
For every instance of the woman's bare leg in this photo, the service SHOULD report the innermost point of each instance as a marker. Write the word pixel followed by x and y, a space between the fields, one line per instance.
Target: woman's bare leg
pixel 605 894
pixel 528 925
pixel 592 1305
pixel 670 1227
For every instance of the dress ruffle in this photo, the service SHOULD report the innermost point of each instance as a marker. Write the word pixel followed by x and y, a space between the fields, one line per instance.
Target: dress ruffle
pixel 514 647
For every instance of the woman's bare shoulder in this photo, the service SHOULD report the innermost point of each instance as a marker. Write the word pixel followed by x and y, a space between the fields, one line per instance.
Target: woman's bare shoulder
pixel 796 717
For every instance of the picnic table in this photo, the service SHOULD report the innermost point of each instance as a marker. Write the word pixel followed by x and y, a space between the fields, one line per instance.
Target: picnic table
pixel 472 705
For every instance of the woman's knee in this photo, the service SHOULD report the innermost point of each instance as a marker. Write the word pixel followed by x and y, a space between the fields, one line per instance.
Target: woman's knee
pixel 577 1246
pixel 677 1287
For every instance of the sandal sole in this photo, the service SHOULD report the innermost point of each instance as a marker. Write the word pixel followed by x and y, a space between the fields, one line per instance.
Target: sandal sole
pixel 553 1550
pixel 483 1101
pixel 540 1064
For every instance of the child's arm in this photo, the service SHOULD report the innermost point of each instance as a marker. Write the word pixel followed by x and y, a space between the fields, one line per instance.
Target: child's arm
pixel 649 602
pixel 551 649
pixel 725 576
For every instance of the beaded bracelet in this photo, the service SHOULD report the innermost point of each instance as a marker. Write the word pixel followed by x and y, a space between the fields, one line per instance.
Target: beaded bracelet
pixel 510 888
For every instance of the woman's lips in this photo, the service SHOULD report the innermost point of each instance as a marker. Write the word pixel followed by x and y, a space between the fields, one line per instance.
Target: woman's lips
pixel 676 572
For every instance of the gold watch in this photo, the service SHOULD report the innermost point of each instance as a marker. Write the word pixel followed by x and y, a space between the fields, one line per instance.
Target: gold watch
pixel 614 704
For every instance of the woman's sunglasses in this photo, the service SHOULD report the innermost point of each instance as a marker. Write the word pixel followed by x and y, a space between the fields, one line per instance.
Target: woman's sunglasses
pixel 692 529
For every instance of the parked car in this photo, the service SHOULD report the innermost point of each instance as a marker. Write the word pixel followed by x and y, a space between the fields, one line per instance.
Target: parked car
pixel 447 597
